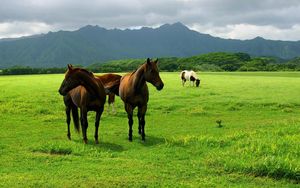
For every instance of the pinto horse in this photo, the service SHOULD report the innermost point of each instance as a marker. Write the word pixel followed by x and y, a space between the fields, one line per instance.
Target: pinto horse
pixel 189 76
pixel 133 90
pixel 81 90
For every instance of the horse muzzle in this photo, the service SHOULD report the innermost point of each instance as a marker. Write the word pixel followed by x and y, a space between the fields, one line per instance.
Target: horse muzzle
pixel 61 92
pixel 160 86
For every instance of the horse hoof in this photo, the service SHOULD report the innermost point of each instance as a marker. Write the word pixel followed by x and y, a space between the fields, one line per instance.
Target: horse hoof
pixel 130 139
pixel 85 141
pixel 96 142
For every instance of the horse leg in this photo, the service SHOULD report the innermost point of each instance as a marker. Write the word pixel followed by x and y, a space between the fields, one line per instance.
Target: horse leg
pixel 108 105
pixel 68 113
pixel 113 108
pixel 75 117
pixel 140 127
pixel 141 116
pixel 112 102
pixel 129 111
pixel 84 124
pixel 97 122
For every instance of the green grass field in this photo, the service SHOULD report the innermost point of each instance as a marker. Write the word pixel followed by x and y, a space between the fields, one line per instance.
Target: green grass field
pixel 258 144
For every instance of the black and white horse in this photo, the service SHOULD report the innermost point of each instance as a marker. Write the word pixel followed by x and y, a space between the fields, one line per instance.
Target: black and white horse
pixel 189 76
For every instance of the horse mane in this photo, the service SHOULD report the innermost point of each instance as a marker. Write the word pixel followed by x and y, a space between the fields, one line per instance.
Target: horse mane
pixel 86 71
pixel 92 76
pixel 137 69
pixel 133 72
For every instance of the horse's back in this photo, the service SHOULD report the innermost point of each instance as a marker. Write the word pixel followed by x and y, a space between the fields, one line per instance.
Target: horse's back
pixel 110 77
pixel 110 82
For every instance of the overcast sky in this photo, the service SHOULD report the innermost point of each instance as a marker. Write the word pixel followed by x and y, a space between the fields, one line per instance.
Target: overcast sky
pixel 236 19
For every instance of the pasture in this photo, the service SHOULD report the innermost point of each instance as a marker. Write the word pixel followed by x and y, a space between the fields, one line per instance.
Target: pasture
pixel 257 144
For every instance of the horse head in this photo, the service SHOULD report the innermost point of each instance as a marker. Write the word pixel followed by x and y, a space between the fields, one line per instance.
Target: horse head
pixel 197 82
pixel 152 74
pixel 71 80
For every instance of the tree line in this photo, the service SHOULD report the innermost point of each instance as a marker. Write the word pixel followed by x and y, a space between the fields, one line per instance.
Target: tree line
pixel 19 70
pixel 220 61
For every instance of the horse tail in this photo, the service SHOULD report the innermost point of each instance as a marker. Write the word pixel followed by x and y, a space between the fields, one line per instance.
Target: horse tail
pixel 75 118
pixel 113 87
pixel 182 75
pixel 111 98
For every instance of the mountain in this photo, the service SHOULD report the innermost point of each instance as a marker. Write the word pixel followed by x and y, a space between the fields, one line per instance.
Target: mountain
pixel 92 44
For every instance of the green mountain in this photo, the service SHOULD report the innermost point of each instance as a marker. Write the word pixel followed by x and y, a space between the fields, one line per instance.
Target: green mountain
pixel 92 44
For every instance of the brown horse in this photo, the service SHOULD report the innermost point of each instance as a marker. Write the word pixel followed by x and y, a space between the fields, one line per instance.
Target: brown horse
pixel 108 80
pixel 133 90
pixel 81 89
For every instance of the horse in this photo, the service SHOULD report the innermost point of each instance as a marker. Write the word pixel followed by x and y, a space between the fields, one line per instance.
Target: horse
pixel 81 90
pixel 107 80
pixel 133 91
pixel 190 76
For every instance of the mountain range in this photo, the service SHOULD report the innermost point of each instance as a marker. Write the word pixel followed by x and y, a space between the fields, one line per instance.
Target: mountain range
pixel 92 44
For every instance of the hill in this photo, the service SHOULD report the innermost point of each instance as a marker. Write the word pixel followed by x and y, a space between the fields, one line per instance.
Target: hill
pixel 92 44
pixel 217 61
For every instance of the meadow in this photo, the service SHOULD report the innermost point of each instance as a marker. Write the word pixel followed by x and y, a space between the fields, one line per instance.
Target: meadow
pixel 257 143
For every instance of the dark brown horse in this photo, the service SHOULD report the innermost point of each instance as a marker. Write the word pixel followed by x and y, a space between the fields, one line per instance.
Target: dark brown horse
pixel 81 89
pixel 133 90
pixel 108 80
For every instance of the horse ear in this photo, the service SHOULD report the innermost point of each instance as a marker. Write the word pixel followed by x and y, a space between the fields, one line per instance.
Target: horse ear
pixel 156 61
pixel 148 61
pixel 70 66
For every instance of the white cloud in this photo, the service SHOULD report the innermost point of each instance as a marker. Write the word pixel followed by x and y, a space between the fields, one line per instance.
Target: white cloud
pixel 247 31
pixel 17 29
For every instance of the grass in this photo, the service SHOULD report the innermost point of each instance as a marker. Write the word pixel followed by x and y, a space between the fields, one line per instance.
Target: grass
pixel 257 144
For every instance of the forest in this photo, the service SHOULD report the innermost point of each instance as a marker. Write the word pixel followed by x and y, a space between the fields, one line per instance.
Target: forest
pixel 211 62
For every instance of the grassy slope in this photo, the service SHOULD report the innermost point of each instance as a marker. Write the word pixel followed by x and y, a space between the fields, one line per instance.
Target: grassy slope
pixel 258 144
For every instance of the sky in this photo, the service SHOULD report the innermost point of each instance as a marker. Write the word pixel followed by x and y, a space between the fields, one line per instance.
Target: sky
pixel 234 19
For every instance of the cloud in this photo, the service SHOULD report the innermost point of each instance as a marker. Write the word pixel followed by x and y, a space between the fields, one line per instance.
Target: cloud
pixel 217 17
pixel 17 29
pixel 247 31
